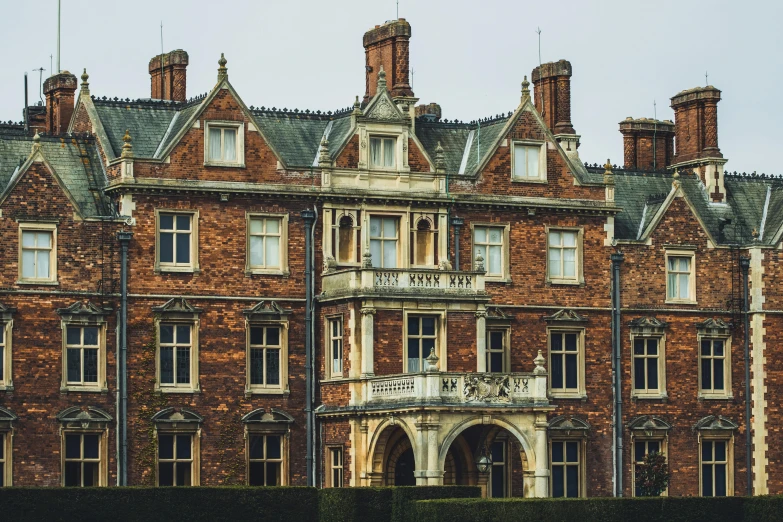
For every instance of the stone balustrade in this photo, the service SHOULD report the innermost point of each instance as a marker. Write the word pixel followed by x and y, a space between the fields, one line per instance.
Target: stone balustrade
pixel 403 281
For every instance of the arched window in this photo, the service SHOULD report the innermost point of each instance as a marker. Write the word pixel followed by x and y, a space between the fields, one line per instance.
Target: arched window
pixel 346 245
pixel 423 240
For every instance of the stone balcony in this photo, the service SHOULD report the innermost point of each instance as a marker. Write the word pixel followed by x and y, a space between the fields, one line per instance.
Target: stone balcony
pixel 419 282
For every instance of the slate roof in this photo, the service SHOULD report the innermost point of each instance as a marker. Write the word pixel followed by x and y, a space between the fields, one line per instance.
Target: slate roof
pixel 74 159
pixel 454 138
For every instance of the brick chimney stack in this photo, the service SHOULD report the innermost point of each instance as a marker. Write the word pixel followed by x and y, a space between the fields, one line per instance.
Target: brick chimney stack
pixel 388 45
pixel 168 81
pixel 429 111
pixel 59 90
pixel 552 95
pixel 696 124
pixel 696 137
pixel 647 143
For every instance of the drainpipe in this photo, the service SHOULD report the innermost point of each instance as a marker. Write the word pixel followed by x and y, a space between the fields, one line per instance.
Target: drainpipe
pixel 617 389
pixel 457 223
pixel 122 382
pixel 745 266
pixel 309 217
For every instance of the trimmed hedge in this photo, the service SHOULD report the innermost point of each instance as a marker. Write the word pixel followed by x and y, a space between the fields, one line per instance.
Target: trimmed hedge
pixel 158 504
pixel 661 509
pixel 384 504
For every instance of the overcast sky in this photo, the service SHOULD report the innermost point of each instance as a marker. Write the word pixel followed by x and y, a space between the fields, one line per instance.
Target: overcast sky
pixel 468 56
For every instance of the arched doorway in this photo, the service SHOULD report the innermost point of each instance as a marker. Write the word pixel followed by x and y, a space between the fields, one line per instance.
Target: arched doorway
pixel 393 458
pixel 404 468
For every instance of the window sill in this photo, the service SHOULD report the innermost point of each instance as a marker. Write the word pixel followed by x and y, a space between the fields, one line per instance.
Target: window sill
pixel 6 387
pixel 267 271
pixel 715 396
pixel 265 391
pixel 680 302
pixel 566 395
pixel 334 379
pixel 83 389
pixel 650 396
pixel 495 279
pixel 223 164
pixel 530 180
pixel 177 270
pixel 37 282
pixel 565 282
pixel 177 390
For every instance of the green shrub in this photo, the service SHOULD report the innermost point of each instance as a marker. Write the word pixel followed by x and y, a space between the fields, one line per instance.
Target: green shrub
pixel 403 497
pixel 158 504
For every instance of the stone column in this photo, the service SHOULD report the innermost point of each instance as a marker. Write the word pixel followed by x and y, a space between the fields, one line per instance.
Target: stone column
pixel 481 340
pixel 542 470
pixel 368 365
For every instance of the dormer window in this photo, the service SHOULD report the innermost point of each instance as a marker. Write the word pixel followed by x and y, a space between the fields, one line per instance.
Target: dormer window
pixel 528 162
pixel 224 144
pixel 382 152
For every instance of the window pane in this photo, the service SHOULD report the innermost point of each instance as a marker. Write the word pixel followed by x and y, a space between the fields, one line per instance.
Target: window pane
pixel 167 333
pixel 652 346
pixel 230 144
pixel 554 262
pixel 256 335
pixel 183 222
pixel 273 447
pixel 706 450
pixel 480 234
pixel 654 446
pixel 214 144
pixel 166 474
pixel 375 252
pixel 672 263
pixel 91 443
pixel 532 162
pixel 90 477
pixel 272 474
pixel 570 340
pixel 717 348
pixel 428 326
pixel 166 247
pixel 706 480
pixel 183 248
pixel 272 366
pixel 720 480
pixel 73 447
pixel 569 239
pixel 272 226
pixel 166 447
pixel 572 481
pixel 73 472
pixel 496 340
pixel 495 235
pixel 569 262
pixel 388 153
pixel 91 336
pixel 390 254
pixel 166 365
pixel 273 336
pixel 639 451
pixel 718 384
pixel 558 485
pixel 256 366
pixel 183 473
pixel 183 365
pixel 495 259
pixel 256 226
pixel 652 374
pixel 706 374
pixel 28 264
pixel 672 285
pixel 256 251
pixel 519 161
pixel 272 251
pixel 183 334
pixel 571 371
pixel 256 447
pixel 638 369
pixel 256 470
pixel 556 366
pixel 42 265
pixel 684 287
pixel 28 239
pixel 572 451
pixel 375 152
pixel 183 446
pixel 496 362
pixel 638 346
pixel 498 481
pixel 720 451
pixel 73 335
pixel 90 365
pixel 74 365
pixel 706 348
pixel 389 228
pixel 557 451
pixel 166 221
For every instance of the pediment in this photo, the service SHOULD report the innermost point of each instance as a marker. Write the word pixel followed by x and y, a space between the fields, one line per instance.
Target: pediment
pixel 175 416
pixel 714 327
pixel 84 417
pixel 261 416
pixel 497 314
pixel 565 316
pixel 7 418
pixel 715 423
pixel 84 310
pixel 649 423
pixel 568 425
pixel 176 305
pixel 266 310
pixel 648 325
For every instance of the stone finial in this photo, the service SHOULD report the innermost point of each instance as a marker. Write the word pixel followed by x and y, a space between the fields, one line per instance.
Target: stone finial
pixel 127 147
pixel 324 160
pixel 357 108
pixel 85 84
pixel 36 142
pixel 480 263
pixel 381 80
pixel 367 259
pixel 539 362
pixel 676 174
pixel 440 159
pixel 222 70
pixel 432 361
pixel 608 174
pixel 525 89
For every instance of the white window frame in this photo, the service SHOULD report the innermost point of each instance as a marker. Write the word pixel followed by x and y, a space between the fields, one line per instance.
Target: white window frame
pixel 240 143
pixel 440 338
pixel 7 442
pixel 504 276
pixel 578 277
pixel 332 468
pixel 195 453
pixel 691 254
pixel 7 374
pixel 281 460
pixel 664 443
pixel 582 447
pixel 729 440
pixel 649 393
pixel 727 392
pixel 542 146
pixel 50 228
pixel 282 269
pixel 382 138
pixel 103 452
pixel 581 391
pixel 190 267
pixel 194 385
pixel 401 251
pixel 101 385
pixel 505 330
pixel 264 389
pixel 330 372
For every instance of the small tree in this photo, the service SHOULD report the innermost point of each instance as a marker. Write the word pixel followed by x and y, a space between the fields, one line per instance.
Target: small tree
pixel 652 475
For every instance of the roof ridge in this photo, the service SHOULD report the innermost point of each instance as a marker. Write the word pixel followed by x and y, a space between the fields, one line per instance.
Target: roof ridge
pixel 307 113
pixel 475 123
pixel 147 102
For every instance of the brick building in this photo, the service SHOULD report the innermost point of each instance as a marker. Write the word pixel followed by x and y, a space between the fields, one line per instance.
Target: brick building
pixel 195 291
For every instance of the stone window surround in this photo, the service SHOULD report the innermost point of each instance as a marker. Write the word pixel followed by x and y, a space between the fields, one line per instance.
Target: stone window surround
pixel 727 392
pixel 183 422
pixel 383 137
pixel 240 143
pixel 498 326
pixel 542 174
pixel 434 231
pixel 7 420
pixel 273 422
pixel 440 336
pixel 193 266
pixel 7 324
pixel 581 391
pixel 505 277
pixel 179 312
pixel 100 323
pixel 331 468
pixel 268 314
pixel 283 269
pixel 681 251
pixel 328 373
pixel 648 428
pixel 579 278
pixel 398 131
pixel 663 440
pixel 729 439
pixel 661 392
pixel 563 428
pixel 103 452
pixel 332 234
pixel 78 420
pixel 39 226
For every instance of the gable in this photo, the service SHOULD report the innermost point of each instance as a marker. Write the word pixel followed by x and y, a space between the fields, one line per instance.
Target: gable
pixel 36 194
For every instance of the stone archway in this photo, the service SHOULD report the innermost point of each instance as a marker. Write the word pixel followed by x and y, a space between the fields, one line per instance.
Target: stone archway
pixel 393 458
